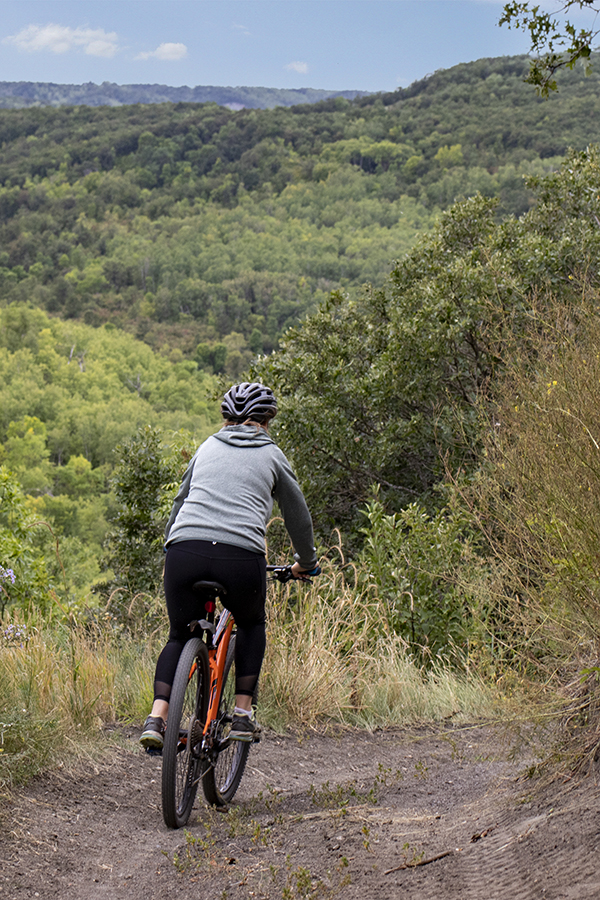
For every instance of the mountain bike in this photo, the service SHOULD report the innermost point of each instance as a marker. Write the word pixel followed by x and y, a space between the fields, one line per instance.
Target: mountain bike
pixel 197 748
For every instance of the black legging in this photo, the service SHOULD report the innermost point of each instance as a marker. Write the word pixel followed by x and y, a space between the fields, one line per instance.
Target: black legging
pixel 244 576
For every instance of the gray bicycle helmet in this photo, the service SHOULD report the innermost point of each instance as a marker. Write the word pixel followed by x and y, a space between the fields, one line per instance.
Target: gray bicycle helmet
pixel 249 400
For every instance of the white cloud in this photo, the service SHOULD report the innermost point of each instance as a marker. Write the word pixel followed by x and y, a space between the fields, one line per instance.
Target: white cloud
pixel 61 39
pixel 242 28
pixel 165 51
pixel 300 67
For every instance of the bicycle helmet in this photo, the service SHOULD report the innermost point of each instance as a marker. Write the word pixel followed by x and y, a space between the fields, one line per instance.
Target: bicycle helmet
pixel 249 400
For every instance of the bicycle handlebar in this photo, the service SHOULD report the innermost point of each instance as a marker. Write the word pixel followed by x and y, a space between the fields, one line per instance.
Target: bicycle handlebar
pixel 285 574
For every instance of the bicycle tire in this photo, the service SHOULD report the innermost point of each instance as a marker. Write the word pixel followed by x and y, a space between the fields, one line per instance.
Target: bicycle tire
pixel 222 780
pixel 182 765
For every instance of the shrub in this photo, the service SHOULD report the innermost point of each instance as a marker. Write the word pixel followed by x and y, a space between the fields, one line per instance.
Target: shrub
pixel 24 550
pixel 412 558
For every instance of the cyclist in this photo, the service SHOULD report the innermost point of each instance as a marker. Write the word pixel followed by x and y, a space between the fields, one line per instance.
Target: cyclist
pixel 216 532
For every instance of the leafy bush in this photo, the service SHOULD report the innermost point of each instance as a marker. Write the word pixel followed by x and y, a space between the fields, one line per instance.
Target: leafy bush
pixel 24 548
pixel 148 472
pixel 333 655
pixel 134 546
pixel 413 559
pixel 149 468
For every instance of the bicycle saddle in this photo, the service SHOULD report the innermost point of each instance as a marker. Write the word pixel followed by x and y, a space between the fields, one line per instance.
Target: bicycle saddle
pixel 202 587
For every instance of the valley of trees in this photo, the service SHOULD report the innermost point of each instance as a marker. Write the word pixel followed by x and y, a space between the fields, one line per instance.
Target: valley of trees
pixel 70 394
pixel 194 225
pixel 207 233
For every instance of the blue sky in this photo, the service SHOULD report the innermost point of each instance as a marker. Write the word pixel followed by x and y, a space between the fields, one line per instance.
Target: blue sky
pixel 334 44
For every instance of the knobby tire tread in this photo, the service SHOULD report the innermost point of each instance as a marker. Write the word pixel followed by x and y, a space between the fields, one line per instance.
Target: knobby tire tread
pixel 180 770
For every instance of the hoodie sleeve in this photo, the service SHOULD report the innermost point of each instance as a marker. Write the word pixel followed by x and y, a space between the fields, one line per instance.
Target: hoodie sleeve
pixel 184 489
pixel 295 514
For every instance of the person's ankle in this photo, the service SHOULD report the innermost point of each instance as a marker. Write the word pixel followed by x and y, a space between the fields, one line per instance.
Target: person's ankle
pixel 238 711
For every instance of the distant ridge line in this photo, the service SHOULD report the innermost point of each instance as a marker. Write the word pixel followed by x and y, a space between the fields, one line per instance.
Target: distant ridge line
pixel 18 94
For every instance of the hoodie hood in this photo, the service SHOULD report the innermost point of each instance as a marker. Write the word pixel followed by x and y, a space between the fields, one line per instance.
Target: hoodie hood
pixel 243 436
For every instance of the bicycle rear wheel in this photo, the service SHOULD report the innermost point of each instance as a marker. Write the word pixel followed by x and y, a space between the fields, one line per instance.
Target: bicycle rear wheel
pixel 183 765
pixel 222 780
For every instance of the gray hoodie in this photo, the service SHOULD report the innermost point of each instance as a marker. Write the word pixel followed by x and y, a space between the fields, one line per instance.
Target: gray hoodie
pixel 227 494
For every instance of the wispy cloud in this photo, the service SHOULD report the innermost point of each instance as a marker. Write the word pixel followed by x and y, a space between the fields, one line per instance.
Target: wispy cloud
pixel 62 39
pixel 242 28
pixel 300 67
pixel 165 51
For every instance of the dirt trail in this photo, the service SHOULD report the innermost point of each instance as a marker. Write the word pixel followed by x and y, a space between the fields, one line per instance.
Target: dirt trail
pixel 315 816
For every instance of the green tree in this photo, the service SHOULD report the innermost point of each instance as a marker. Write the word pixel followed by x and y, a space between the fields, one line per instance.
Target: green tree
pixel 556 42
pixel 25 451
pixel 384 388
pixel 376 390
pixel 24 551
pixel 134 546
pixel 413 559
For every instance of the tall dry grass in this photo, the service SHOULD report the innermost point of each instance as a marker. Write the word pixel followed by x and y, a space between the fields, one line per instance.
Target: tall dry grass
pixel 332 656
pixel 538 503
pixel 60 682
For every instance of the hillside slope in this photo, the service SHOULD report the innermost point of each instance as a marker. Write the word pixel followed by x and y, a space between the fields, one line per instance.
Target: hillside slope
pixel 15 94
pixel 191 224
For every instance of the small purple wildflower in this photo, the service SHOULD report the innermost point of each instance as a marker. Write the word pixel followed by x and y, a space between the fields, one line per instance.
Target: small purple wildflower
pixel 7 575
pixel 15 634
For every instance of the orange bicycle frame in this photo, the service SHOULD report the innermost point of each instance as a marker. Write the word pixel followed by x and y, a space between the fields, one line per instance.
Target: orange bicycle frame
pixel 216 660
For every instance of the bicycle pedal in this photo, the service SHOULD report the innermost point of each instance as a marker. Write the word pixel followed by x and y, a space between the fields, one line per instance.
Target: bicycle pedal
pixel 153 751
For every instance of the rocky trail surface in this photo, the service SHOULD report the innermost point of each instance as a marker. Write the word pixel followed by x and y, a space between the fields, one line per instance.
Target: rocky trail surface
pixel 422 814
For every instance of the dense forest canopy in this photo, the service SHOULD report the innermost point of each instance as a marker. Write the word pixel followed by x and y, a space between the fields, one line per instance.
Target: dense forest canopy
pixel 210 232
pixel 70 394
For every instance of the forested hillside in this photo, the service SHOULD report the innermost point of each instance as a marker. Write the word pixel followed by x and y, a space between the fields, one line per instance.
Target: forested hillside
pixel 210 231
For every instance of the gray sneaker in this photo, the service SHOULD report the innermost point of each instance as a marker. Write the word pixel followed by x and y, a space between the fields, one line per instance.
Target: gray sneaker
pixel 152 737
pixel 244 728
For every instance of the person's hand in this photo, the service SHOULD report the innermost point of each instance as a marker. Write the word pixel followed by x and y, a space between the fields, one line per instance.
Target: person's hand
pixel 297 570
pixel 304 574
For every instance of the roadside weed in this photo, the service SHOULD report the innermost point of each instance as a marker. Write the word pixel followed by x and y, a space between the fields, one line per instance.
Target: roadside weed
pixel 421 770
pixel 412 856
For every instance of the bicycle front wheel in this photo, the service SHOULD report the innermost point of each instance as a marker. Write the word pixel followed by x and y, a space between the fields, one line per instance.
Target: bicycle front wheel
pixel 183 765
pixel 221 781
